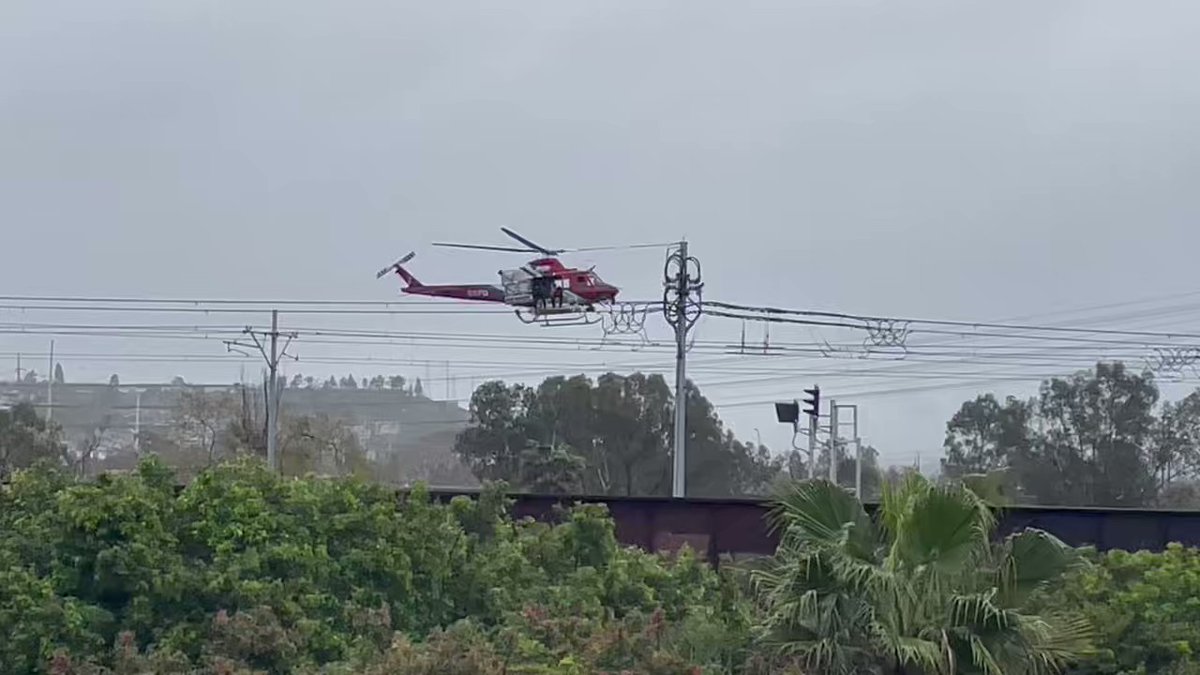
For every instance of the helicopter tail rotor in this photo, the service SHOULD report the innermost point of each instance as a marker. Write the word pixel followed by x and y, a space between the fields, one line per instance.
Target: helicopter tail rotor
pixel 398 269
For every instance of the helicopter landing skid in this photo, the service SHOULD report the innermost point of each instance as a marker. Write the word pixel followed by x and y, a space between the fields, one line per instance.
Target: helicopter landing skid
pixel 558 316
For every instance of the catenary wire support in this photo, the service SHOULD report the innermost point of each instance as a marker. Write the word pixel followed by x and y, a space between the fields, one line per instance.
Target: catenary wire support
pixel 682 307
pixel 627 318
pixel 1172 361
pixel 267 344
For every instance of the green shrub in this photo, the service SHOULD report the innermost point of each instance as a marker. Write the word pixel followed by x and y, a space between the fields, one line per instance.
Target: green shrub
pixel 1146 607
pixel 243 571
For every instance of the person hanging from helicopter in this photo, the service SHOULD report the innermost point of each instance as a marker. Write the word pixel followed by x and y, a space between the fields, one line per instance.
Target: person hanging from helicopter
pixel 556 296
pixel 540 287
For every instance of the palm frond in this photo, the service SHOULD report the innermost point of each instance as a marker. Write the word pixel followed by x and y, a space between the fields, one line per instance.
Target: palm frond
pixel 915 653
pixel 980 614
pixel 983 658
pixel 1030 559
pixel 896 502
pixel 823 514
pixel 946 528
pixel 1054 641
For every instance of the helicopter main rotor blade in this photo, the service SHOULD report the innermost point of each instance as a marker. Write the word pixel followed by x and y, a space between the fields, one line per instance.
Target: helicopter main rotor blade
pixel 528 243
pixel 613 248
pixel 510 249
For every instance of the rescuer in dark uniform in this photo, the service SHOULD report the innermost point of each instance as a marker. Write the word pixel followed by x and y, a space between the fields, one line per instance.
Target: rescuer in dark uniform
pixel 540 287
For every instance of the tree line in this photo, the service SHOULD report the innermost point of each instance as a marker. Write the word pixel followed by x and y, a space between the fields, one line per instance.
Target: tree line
pixel 1100 437
pixel 610 436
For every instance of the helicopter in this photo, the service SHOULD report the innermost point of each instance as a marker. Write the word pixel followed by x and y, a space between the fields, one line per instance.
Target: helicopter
pixel 542 290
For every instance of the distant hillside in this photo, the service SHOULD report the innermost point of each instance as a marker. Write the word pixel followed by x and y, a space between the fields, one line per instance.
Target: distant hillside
pixel 406 431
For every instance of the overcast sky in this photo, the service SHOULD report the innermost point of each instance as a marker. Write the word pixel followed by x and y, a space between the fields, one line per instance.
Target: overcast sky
pixel 958 160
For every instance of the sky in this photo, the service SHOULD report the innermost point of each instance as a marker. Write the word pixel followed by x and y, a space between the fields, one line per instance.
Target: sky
pixel 940 160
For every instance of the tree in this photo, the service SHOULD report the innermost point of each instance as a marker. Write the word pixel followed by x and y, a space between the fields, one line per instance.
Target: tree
pixel 199 417
pixel 1088 439
pixel 1093 443
pixel 297 381
pixel 114 381
pixel 331 383
pixel 492 446
pixel 377 382
pixel 320 444
pixel 348 382
pixel 418 390
pixel 622 428
pixel 847 469
pixel 59 378
pixel 88 448
pixel 985 435
pixel 396 382
pixel 30 377
pixel 1176 445
pixel 247 430
pixel 919 589
pixel 551 469
pixel 25 438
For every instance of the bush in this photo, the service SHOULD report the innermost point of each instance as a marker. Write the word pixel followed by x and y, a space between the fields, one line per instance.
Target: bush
pixel 243 571
pixel 1146 607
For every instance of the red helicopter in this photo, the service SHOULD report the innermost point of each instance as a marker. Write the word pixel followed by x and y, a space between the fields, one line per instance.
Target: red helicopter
pixel 541 290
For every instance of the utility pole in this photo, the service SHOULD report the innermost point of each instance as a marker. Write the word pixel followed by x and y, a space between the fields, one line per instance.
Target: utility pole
pixel 857 465
pixel 50 387
pixel 271 353
pixel 833 441
pixel 812 403
pixel 812 447
pixel 681 308
pixel 19 368
pixel 137 424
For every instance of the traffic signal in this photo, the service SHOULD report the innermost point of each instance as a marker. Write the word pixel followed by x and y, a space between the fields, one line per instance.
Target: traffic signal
pixel 787 413
pixel 812 402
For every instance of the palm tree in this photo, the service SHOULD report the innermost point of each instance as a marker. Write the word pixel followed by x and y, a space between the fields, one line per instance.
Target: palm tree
pixel 920 589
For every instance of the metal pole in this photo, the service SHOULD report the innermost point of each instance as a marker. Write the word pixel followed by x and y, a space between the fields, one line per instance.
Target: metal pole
pixel 812 446
pixel 273 394
pixel 833 441
pixel 678 486
pixel 858 460
pixel 50 386
pixel 857 466
pixel 137 424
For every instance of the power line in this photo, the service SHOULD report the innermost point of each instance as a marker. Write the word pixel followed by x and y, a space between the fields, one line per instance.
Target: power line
pixel 861 320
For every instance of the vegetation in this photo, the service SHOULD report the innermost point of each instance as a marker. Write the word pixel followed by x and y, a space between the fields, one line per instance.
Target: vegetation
pixel 244 571
pixel 1097 438
pixel 608 437
pixel 920 589
pixel 1145 608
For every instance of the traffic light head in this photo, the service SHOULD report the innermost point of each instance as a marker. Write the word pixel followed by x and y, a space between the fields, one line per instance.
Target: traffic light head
pixel 787 413
pixel 812 402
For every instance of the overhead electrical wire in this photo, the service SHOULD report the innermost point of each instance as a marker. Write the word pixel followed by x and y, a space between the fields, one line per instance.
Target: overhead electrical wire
pixel 846 320
pixel 1070 345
